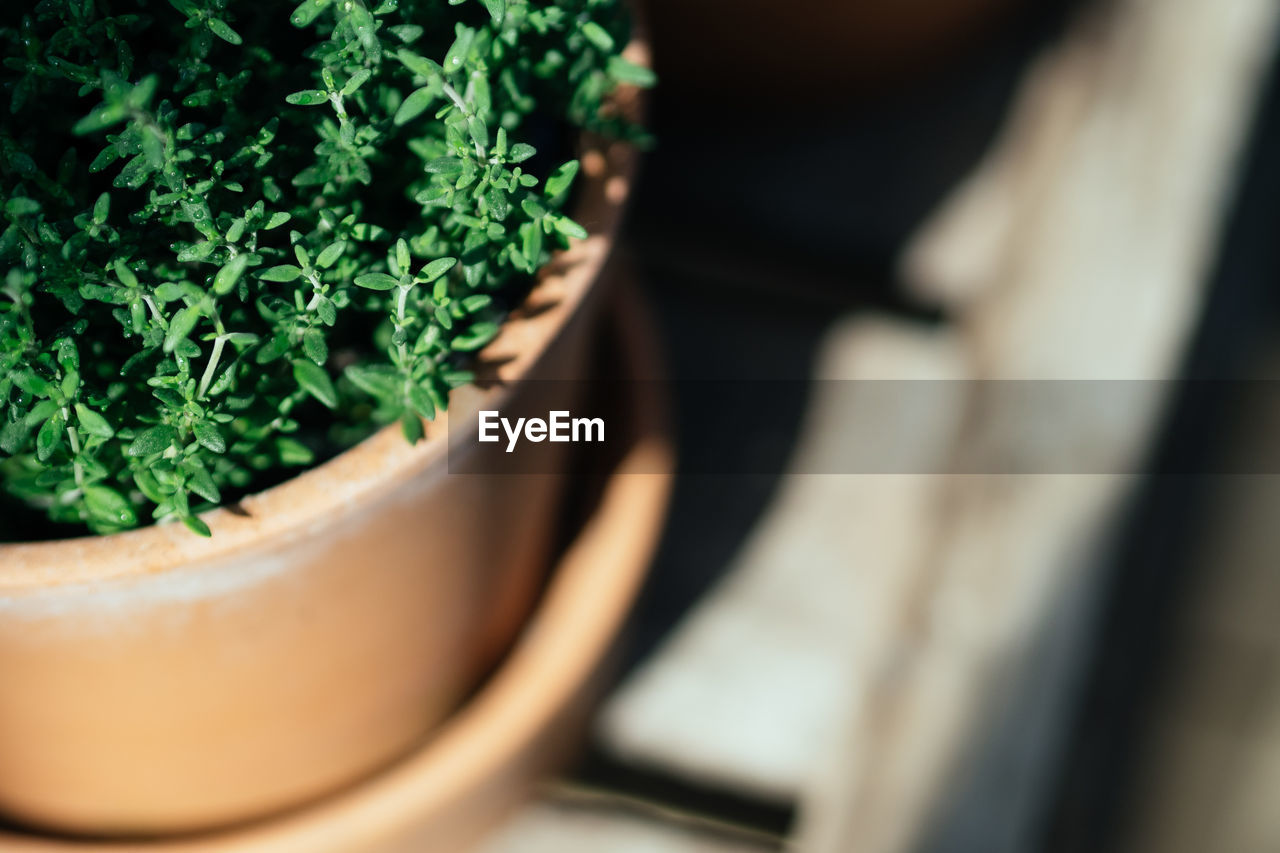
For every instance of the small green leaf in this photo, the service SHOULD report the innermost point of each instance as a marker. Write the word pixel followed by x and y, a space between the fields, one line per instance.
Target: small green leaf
pixel 308 98
pixel 101 293
pixel 293 452
pixel 314 345
pixel 330 255
pixel 169 292
pixel 407 33
pixel 307 11
pixel 458 378
pixel 479 132
pixel 169 397
pixel 220 29
pixel 626 71
pixel 520 152
pixel 411 426
pixel 355 81
pixel 105 158
pixel 148 485
pixel 209 436
pixel 435 269
pixel 239 339
pixel 92 422
pixel 377 281
pixel 153 440
pixel 104 116
pixel 363 24
pixel 457 54
pixel 200 482
pixel 140 93
pixel 499 206
pixel 108 506
pixel 50 436
pixel 32 383
pixel 418 64
pixel 227 278
pixel 21 206
pixel 327 310
pixel 313 379
pixel 181 326
pixel 414 105
pixel 70 383
pixel 421 402
pixel 596 35
pixel 101 208
pixel 13 435
pixel 531 246
pixel 497 10
pixel 197 251
pixel 533 207
pixel 283 272
pixel 560 181
pixel 475 337
pixel 196 526
pixel 446 166
pixel 125 275
pixel 379 382
pixel 569 228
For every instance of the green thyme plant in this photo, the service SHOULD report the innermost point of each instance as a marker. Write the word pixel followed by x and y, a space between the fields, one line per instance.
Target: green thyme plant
pixel 222 218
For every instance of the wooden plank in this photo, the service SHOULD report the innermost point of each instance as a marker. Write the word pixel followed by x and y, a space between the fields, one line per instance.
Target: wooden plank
pixel 1077 251
pixel 747 692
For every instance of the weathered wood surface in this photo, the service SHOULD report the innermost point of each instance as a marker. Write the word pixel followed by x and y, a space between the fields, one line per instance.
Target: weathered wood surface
pixel 747 693
pixel 1077 251
pixel 885 641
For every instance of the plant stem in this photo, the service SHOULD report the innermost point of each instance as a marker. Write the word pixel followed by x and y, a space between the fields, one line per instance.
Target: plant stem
pixel 207 377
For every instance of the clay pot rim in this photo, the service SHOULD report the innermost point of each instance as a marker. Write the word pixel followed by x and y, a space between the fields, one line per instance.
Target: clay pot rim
pixel 385 459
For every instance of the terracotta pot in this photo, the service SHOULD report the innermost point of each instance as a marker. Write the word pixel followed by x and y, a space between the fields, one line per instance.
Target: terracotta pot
pixel 155 682
pixel 450 791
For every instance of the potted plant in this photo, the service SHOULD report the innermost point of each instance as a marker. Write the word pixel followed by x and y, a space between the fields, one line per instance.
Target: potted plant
pixel 242 243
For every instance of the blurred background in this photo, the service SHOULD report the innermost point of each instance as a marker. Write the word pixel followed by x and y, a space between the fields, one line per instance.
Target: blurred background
pixel 1029 653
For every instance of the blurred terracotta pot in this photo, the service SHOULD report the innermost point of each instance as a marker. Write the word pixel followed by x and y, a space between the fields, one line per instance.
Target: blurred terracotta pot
pixel 806 51
pixel 155 682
